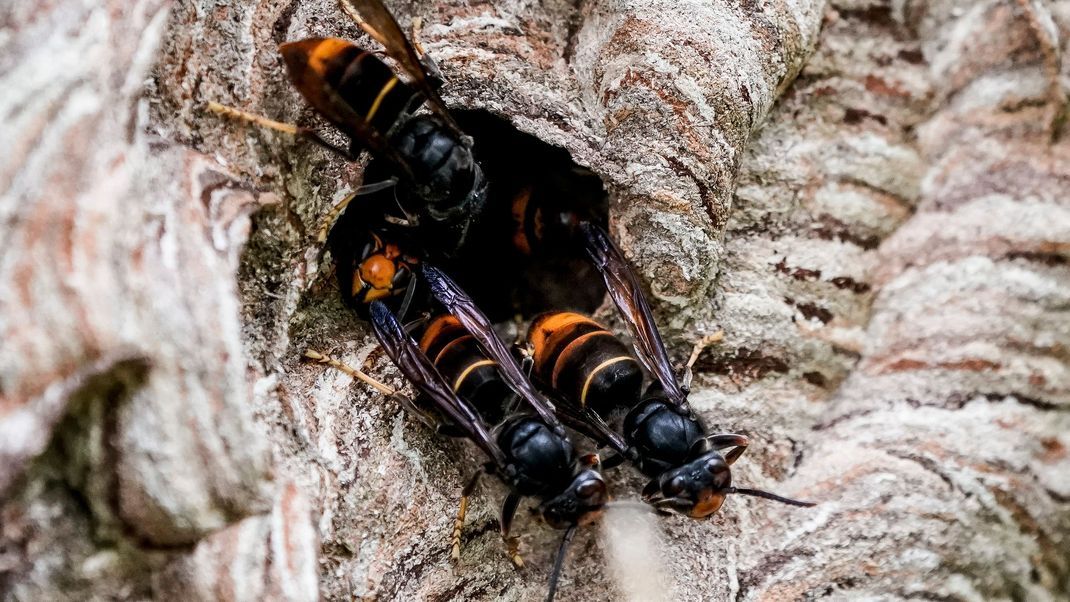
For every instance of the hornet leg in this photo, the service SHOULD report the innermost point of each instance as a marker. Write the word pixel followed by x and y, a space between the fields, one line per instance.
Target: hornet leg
pixel 278 126
pixel 425 418
pixel 433 72
pixel 696 351
pixel 720 441
pixel 323 358
pixel 359 20
pixel 458 524
pixel 512 545
pixel 416 323
pixel 332 216
pixel 417 26
pixel 527 360
pixel 406 301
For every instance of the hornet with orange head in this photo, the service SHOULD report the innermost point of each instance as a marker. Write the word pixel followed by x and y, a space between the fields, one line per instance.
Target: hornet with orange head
pixel 589 372
pixel 427 188
pixel 464 393
pixel 473 380
pixel 537 438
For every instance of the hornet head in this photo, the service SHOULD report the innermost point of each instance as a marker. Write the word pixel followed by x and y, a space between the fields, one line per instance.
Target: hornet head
pixel 699 487
pixel 580 503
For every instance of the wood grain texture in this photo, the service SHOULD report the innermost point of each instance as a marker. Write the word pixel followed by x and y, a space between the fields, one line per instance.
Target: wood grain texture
pixel 122 356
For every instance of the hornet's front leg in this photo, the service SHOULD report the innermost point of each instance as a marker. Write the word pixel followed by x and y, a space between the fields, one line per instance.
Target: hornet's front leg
pixel 696 351
pixel 426 418
pixel 278 126
pixel 512 545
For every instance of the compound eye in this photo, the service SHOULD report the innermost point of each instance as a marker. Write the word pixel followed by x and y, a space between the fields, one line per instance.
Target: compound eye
pixel 715 465
pixel 589 489
pixel 675 486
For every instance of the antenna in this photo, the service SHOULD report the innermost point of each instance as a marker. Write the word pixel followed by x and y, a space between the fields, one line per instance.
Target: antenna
pixel 559 562
pixel 770 496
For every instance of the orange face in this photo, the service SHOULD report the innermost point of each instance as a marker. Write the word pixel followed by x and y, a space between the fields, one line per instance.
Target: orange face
pixel 378 273
pixel 696 489
pixel 382 273
pixel 708 504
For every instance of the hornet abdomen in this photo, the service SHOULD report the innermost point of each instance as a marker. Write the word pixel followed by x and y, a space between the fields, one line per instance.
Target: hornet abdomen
pixel 583 361
pixel 471 375
pixel 326 67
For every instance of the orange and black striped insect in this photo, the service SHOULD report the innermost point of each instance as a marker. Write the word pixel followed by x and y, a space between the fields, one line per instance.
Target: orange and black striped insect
pixel 472 386
pixel 430 187
pixel 469 372
pixel 464 391
pixel 470 354
pixel 590 372
pixel 546 211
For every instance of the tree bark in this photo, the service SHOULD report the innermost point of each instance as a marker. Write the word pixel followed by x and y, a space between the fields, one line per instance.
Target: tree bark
pixel 874 214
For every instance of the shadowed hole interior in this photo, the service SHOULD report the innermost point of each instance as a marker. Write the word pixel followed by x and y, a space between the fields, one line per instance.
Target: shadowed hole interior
pixel 518 258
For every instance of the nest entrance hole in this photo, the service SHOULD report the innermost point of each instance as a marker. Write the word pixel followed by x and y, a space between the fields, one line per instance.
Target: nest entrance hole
pixel 494 268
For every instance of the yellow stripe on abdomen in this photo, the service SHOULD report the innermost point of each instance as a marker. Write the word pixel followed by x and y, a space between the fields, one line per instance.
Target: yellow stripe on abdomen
pixel 597 369
pixel 460 379
pixel 387 87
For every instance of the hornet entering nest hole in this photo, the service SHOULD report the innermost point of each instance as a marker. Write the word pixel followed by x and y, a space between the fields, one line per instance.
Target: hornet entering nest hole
pixel 520 255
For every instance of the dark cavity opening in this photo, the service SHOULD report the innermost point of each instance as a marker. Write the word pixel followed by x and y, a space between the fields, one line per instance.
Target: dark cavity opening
pixel 522 258
pixel 522 255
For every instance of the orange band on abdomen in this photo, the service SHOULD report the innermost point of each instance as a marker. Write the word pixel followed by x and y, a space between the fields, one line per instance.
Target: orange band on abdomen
pixel 562 358
pixel 442 352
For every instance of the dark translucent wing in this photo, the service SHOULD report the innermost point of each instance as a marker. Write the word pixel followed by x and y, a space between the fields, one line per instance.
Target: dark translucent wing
pixel 374 18
pixel 457 302
pixel 627 294
pixel 590 425
pixel 422 373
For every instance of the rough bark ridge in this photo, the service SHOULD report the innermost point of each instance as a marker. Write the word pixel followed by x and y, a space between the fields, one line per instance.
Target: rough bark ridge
pixel 887 255
pixel 900 238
